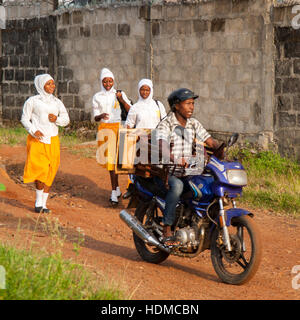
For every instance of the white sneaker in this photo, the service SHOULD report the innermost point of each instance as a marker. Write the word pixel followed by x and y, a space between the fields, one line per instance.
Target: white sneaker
pixel 114 197
pixel 119 193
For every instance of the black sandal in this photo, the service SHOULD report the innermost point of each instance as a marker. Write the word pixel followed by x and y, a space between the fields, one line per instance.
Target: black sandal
pixel 113 203
pixel 46 210
pixel 38 209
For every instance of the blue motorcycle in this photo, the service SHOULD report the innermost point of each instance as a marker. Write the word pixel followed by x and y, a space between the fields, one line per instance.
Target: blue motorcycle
pixel 207 218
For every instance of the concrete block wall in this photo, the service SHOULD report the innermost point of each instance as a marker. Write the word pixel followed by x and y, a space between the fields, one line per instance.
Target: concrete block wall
pixel 287 83
pixel 18 9
pixel 89 40
pixel 28 49
pixel 217 50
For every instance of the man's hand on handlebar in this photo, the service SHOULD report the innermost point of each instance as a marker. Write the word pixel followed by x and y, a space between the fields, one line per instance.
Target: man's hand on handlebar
pixel 219 152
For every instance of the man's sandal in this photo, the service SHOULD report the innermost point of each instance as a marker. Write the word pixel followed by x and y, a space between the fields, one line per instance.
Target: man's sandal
pixel 170 241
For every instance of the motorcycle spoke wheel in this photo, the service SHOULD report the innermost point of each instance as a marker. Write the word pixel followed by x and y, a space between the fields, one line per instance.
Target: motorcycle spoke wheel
pixel 244 264
pixel 147 252
pixel 239 265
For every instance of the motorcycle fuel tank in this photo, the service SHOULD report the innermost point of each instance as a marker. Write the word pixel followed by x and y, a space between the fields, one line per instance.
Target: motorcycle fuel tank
pixel 202 187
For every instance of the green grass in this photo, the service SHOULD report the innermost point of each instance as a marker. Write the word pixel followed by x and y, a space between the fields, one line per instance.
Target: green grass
pixel 18 135
pixel 273 181
pixel 13 136
pixel 32 276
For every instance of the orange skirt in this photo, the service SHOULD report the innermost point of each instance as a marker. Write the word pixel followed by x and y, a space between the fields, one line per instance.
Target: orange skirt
pixel 107 138
pixel 42 160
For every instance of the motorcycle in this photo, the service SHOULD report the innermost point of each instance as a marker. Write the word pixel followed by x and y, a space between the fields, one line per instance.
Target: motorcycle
pixel 207 218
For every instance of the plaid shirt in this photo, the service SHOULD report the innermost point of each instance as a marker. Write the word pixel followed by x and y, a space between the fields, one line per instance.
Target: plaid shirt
pixel 181 140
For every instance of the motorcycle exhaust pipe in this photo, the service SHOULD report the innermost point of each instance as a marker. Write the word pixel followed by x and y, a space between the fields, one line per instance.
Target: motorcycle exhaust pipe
pixel 134 224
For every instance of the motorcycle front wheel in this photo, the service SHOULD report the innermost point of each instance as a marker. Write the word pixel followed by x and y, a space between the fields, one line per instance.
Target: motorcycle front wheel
pixel 148 253
pixel 239 265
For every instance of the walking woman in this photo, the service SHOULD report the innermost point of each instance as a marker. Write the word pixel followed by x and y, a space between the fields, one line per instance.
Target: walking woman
pixel 106 108
pixel 147 112
pixel 42 115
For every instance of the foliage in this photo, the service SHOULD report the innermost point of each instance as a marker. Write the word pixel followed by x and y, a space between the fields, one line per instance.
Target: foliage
pixel 32 276
pixel 273 180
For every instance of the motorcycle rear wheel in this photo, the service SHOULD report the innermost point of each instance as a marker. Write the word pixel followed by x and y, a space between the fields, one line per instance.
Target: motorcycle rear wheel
pixel 240 265
pixel 147 252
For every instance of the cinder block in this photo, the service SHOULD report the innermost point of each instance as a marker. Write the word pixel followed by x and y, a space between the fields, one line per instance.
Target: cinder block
pixel 235 58
pixel 74 32
pixel 207 9
pixel 253 93
pixel 203 90
pixel 172 11
pixel 192 43
pixel 211 41
pixel 244 75
pixel 218 59
pixel 189 11
pixel 234 26
pixel 235 91
pixel 156 12
pixel 77 17
pixel 244 41
pixel 217 89
pixel 97 30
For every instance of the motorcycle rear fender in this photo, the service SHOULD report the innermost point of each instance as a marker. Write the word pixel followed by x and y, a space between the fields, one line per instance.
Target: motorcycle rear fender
pixel 236 212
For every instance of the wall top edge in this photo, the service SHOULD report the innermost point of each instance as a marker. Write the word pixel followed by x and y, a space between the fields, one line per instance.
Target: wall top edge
pixel 285 3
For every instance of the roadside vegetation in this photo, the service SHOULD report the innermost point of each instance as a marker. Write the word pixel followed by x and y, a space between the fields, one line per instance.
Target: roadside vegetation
pixel 273 181
pixel 18 136
pixel 36 276
pixel 35 272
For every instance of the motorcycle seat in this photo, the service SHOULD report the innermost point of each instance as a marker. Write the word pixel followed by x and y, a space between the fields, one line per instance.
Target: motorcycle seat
pixel 152 186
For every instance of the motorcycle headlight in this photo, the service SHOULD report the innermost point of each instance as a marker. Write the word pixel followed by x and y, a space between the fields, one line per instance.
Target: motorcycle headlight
pixel 237 177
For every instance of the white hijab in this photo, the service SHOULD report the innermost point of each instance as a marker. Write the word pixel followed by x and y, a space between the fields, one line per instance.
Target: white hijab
pixel 110 94
pixel 146 82
pixel 39 82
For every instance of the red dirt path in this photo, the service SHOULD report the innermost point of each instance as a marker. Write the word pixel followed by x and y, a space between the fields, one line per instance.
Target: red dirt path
pixel 79 199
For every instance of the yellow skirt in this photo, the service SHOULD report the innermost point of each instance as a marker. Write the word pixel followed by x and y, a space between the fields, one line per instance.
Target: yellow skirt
pixel 107 138
pixel 42 160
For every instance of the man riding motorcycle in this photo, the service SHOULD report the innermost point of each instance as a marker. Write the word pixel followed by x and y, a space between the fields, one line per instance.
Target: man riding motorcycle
pixel 176 136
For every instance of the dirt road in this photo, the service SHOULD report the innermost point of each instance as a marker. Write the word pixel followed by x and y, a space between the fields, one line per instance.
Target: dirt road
pixel 79 201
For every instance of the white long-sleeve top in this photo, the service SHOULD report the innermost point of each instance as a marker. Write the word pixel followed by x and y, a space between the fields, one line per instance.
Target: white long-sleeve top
pixel 107 102
pixel 35 116
pixel 145 115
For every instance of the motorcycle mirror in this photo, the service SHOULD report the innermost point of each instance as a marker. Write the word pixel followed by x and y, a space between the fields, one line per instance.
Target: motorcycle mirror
pixel 233 139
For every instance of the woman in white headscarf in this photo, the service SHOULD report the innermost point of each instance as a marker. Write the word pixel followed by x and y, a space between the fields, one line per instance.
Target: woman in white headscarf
pixel 42 114
pixel 106 108
pixel 147 112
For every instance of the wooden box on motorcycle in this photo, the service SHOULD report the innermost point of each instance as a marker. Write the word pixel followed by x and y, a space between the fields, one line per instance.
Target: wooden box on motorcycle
pixel 137 153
